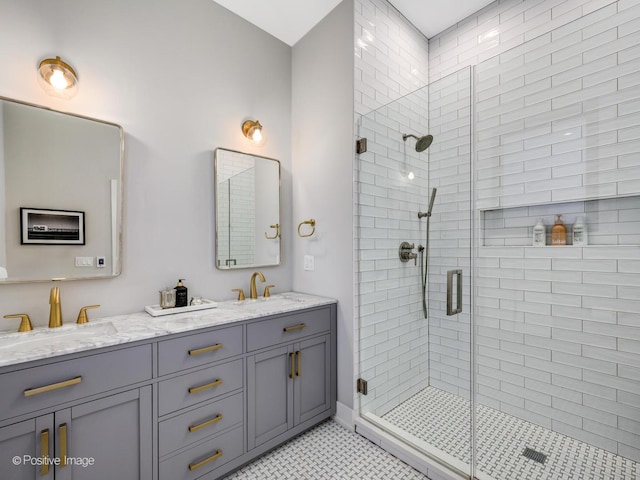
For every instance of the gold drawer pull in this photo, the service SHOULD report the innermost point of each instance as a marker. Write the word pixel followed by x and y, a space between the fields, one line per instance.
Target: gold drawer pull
pixel 299 370
pixel 62 435
pixel 293 367
pixel 193 466
pixel 205 387
pixel 195 428
pixel 295 327
pixel 198 351
pixel 30 392
pixel 44 451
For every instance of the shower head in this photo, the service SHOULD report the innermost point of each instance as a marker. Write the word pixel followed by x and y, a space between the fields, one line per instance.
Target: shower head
pixel 422 143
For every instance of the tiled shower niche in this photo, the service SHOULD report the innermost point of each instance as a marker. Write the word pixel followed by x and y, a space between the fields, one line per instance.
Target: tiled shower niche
pixel 612 221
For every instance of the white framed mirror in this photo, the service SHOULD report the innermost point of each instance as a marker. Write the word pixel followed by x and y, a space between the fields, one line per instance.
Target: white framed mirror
pixel 59 172
pixel 247 196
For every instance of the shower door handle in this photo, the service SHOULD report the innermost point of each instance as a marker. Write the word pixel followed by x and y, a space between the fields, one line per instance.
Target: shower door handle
pixel 458 309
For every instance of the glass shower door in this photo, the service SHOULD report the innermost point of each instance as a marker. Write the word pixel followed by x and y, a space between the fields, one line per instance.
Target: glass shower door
pixel 417 369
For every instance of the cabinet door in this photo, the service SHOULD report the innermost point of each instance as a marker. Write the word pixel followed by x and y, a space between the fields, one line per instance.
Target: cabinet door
pixel 312 387
pixel 269 394
pixel 114 432
pixel 23 442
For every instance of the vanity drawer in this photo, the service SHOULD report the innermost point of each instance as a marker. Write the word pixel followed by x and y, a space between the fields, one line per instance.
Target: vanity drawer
pixel 218 451
pixel 196 387
pixel 195 350
pixel 193 426
pixel 35 388
pixel 287 328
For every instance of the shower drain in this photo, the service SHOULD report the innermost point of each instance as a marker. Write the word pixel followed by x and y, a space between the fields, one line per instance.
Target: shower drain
pixel 534 455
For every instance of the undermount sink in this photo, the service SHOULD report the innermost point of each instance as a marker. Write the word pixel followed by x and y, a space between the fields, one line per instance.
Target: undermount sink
pixel 56 338
pixel 270 303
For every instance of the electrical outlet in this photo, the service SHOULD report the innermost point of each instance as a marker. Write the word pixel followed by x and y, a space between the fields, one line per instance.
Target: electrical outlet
pixel 84 261
pixel 100 261
pixel 309 263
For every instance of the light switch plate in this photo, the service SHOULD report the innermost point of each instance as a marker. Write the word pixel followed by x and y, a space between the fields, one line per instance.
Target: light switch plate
pixel 309 263
pixel 84 261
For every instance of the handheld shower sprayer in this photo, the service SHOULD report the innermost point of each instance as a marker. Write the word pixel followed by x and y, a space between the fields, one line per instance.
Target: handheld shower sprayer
pixel 424 254
pixel 430 208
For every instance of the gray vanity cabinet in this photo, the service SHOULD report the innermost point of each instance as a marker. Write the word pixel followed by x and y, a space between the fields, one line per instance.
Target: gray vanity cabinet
pixel 289 384
pixel 113 427
pixel 21 442
pixel 114 431
pixel 181 407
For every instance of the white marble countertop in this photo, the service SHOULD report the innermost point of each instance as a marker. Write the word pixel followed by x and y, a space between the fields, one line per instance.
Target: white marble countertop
pixel 45 342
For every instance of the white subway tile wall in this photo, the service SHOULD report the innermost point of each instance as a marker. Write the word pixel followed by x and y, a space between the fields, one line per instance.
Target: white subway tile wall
pixel 556 126
pixel 391 61
pixel 237 221
pixel 450 239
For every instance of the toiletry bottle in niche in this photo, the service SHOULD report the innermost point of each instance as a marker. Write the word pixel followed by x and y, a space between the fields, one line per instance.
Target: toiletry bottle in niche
pixel 580 232
pixel 539 234
pixel 559 232
pixel 182 298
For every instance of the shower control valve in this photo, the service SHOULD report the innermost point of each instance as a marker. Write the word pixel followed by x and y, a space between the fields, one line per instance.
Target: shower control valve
pixel 406 253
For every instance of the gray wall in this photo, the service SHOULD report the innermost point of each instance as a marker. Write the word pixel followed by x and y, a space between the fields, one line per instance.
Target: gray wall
pixel 323 172
pixel 180 78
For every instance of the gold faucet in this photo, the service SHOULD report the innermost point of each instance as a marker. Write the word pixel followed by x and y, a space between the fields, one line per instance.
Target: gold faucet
pixel 253 292
pixel 55 313
pixel 82 315
pixel 25 323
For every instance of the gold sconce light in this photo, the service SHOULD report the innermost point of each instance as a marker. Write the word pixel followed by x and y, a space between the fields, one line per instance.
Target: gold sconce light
pixel 57 78
pixel 252 130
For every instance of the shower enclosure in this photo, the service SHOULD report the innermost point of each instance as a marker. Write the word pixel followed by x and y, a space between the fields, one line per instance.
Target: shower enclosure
pixel 528 363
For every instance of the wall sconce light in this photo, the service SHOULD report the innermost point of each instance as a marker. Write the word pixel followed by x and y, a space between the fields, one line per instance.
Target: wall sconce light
pixel 252 130
pixel 57 78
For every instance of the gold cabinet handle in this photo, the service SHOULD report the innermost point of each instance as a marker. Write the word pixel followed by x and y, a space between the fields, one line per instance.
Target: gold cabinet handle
pixel 299 369
pixel 30 392
pixel 44 451
pixel 295 327
pixel 62 437
pixel 195 428
pixel 193 466
pixel 292 370
pixel 205 387
pixel 198 351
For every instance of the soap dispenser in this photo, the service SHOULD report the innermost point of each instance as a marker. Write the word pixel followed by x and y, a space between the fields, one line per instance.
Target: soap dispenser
pixel 559 232
pixel 539 234
pixel 182 298
pixel 580 232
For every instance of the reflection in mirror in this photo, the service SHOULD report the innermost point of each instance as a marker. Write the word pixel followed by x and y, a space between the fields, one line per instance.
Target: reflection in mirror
pixel 247 210
pixel 52 161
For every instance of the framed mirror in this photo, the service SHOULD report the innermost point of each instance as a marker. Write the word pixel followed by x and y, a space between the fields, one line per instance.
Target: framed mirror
pixel 60 195
pixel 247 192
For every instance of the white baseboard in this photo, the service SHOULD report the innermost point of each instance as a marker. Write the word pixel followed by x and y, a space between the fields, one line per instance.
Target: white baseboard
pixel 344 416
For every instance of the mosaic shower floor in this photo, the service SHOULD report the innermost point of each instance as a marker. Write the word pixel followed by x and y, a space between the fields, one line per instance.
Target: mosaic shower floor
pixel 328 452
pixel 442 420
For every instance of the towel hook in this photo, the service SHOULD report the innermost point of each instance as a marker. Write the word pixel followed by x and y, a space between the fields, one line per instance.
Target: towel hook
pixel 312 223
pixel 277 227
